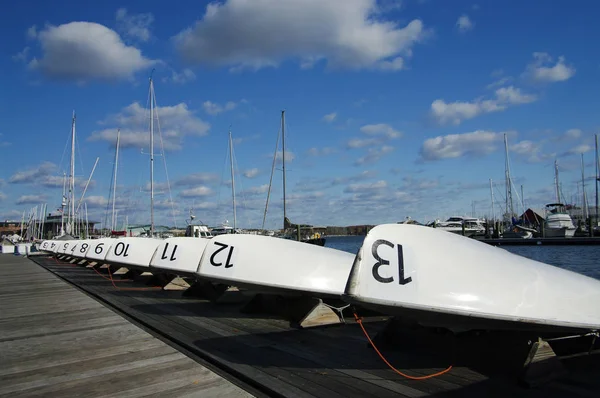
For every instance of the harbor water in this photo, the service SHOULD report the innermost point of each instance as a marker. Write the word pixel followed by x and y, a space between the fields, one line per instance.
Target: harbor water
pixel 581 259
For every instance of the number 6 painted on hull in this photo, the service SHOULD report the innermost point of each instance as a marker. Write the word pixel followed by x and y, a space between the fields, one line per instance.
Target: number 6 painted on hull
pixel 380 262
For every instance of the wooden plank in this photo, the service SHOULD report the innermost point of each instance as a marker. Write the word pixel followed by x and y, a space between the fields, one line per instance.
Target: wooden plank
pixel 57 341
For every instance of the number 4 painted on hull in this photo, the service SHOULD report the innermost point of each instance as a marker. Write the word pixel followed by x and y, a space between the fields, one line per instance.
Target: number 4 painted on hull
pixel 380 261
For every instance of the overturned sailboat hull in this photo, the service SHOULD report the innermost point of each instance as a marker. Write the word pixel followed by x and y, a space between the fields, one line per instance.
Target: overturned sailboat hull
pixel 445 280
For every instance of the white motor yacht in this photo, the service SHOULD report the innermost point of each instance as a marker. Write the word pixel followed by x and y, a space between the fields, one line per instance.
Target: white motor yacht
pixel 558 222
pixel 472 226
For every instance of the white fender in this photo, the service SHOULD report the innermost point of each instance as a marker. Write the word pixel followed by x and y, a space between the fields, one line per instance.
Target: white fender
pixel 99 248
pixel 133 251
pixel 274 263
pixel 180 256
pixel 403 268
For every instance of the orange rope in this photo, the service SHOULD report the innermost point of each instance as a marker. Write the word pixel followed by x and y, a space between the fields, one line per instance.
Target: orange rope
pixel 359 321
pixel 124 280
pixel 110 278
pixel 63 264
pixel 129 288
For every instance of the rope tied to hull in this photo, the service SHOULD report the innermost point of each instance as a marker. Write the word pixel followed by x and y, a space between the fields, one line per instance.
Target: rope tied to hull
pixel 359 321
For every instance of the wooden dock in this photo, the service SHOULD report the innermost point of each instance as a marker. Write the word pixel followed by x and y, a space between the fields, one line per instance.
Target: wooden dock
pixel 57 341
pixel 273 359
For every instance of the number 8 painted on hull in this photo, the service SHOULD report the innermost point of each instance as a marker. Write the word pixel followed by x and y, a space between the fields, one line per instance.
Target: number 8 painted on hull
pixel 380 262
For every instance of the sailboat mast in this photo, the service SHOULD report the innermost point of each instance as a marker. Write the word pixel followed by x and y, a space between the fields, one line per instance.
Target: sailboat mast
pixel 113 225
pixel 492 196
pixel 232 181
pixel 151 158
pixel 596 138
pixel 271 181
pixel 283 162
pixel 556 181
pixel 583 198
pixel 522 199
pixel 63 203
pixel 509 201
pixel 71 217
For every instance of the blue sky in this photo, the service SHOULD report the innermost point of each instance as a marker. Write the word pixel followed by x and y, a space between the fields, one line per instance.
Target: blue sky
pixel 393 108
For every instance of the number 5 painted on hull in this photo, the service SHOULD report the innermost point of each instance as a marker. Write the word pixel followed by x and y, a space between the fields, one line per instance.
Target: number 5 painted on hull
pixel 381 261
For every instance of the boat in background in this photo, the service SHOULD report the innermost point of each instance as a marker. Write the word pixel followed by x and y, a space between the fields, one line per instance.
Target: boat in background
pixel 472 226
pixel 303 232
pixel 558 223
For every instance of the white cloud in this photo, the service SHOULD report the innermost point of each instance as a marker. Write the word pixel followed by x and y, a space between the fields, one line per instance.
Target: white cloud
pixel 32 32
pixel 529 151
pixel 134 26
pixel 257 190
pixel 196 179
pixel 380 133
pixel 289 156
pixel 380 129
pixel 240 34
pixel 30 199
pixel 2 196
pixel 392 64
pixel 458 111
pixel 361 143
pixel 87 50
pixel 56 181
pixel 572 133
pixel 499 82
pixel 373 155
pixel 214 109
pixel 419 184
pixel 33 175
pixel 251 173
pixel 21 56
pixel 321 152
pixel 378 185
pixel 185 76
pixel 364 175
pixel 176 122
pixel 578 150
pixel 542 69
pixel 513 96
pixel 464 23
pixel 451 146
pixel 95 202
pixel 196 192
pixel 330 117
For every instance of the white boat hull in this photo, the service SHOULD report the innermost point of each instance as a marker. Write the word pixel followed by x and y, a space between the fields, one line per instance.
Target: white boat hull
pixel 423 273
pixel 563 232
pixel 275 265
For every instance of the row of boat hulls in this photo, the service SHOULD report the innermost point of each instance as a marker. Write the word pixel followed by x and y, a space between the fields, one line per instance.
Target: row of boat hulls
pixel 428 276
